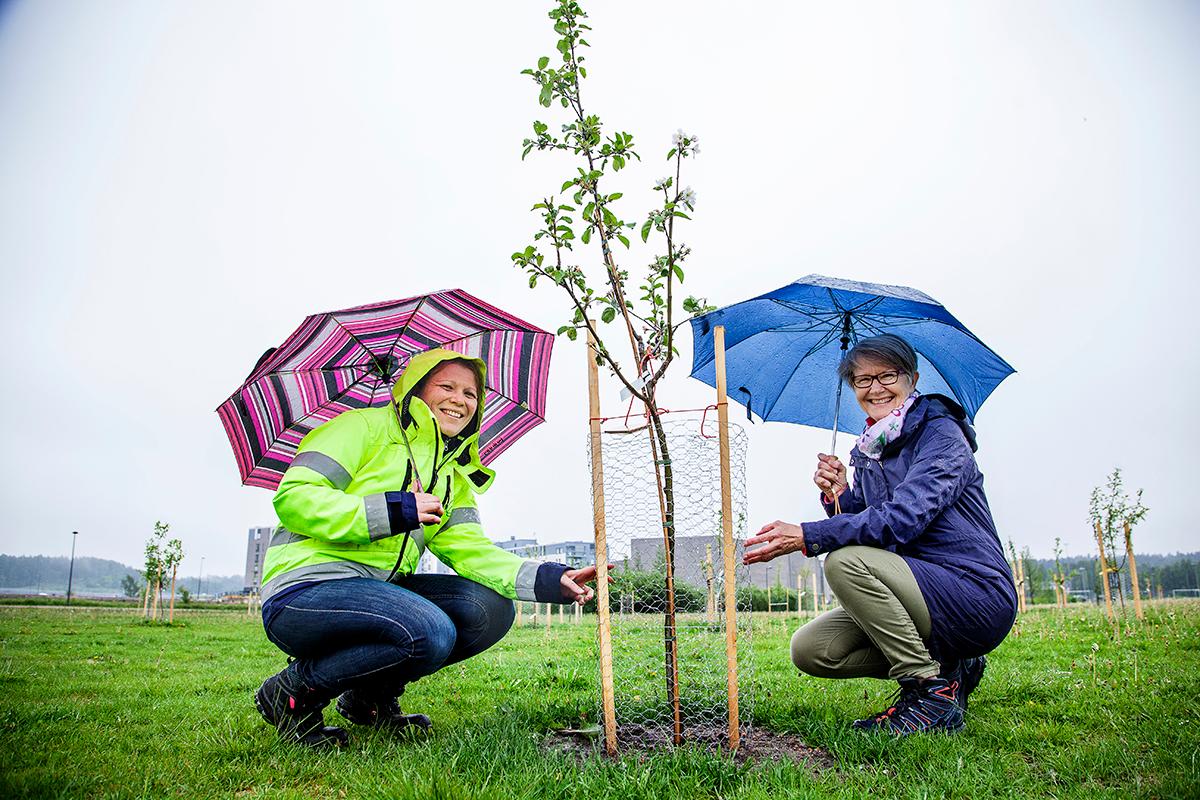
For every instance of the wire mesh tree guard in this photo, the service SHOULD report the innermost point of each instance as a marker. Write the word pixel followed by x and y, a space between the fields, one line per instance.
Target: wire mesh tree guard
pixel 670 626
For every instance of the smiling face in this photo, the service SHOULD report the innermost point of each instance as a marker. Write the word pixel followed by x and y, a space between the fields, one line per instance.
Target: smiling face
pixel 877 399
pixel 452 393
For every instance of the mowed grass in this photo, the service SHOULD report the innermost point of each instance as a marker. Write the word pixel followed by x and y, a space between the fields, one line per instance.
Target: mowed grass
pixel 96 703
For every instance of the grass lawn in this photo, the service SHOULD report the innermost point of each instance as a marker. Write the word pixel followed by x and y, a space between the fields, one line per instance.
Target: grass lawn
pixel 96 703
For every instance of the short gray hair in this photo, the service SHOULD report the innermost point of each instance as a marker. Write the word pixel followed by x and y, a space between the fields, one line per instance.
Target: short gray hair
pixel 887 349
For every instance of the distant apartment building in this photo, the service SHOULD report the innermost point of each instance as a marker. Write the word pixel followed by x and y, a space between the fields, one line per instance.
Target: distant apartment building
pixel 432 565
pixel 691 553
pixel 574 554
pixel 256 552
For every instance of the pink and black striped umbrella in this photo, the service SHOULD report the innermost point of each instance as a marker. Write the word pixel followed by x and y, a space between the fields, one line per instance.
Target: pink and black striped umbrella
pixel 349 359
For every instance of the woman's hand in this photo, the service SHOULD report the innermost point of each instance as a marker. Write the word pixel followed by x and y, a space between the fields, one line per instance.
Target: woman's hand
pixel 574 584
pixel 429 508
pixel 779 539
pixel 830 476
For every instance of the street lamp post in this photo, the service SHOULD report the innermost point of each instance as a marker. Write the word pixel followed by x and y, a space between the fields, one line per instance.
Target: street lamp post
pixel 71 573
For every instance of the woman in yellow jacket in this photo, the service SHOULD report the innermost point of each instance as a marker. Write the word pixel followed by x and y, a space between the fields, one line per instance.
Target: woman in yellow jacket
pixel 364 497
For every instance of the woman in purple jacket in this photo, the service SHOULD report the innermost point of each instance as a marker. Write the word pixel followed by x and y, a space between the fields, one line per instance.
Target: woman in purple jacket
pixel 913 557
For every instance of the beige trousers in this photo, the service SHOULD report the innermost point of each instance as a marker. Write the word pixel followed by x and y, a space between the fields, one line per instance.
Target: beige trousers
pixel 881 627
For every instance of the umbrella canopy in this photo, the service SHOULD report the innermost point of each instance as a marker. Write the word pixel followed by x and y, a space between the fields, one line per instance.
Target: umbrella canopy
pixel 341 360
pixel 783 348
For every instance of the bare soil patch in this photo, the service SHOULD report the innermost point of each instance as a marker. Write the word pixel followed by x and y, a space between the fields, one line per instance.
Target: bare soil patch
pixel 757 745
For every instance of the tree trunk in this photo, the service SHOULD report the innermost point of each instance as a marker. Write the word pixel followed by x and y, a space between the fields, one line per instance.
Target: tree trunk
pixel 154 603
pixel 1104 574
pixel 666 485
pixel 146 600
pixel 1133 579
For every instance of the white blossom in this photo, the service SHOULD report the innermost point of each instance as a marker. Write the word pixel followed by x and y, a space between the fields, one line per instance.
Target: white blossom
pixel 686 143
pixel 688 197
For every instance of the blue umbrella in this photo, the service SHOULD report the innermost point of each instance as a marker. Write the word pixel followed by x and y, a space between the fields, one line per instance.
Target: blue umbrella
pixel 783 348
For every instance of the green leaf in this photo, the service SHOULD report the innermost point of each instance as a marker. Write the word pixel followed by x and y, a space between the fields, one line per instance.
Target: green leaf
pixel 587 234
pixel 546 95
pixel 623 241
pixel 572 334
pixel 609 314
pixel 567 185
pixel 532 280
pixel 543 62
pixel 671 154
pixel 678 270
pixel 615 196
pixel 646 229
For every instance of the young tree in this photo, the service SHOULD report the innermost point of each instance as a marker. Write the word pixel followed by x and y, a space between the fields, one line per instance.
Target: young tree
pixel 1110 510
pixel 152 571
pixel 590 217
pixel 155 570
pixel 1059 577
pixel 1018 575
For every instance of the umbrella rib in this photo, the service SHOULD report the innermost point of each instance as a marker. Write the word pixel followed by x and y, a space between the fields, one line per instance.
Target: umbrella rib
pixel 396 342
pixel 332 399
pixel 516 403
pixel 353 338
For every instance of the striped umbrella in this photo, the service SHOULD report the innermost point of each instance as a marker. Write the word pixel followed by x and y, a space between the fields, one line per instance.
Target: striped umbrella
pixel 349 359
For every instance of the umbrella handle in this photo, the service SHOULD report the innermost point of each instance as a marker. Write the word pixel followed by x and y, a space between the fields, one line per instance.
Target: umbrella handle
pixel 412 462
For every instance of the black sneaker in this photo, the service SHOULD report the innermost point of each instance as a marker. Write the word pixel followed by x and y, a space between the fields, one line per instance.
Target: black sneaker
pixel 295 711
pixel 924 707
pixel 380 712
pixel 970 673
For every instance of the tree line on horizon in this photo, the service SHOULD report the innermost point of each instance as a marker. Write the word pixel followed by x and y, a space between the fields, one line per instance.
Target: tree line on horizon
pixel 93 575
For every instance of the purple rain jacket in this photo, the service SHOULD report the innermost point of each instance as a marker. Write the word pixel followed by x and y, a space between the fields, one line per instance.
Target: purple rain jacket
pixel 924 501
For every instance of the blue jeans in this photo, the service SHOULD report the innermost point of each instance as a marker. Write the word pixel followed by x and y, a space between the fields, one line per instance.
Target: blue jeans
pixel 375 637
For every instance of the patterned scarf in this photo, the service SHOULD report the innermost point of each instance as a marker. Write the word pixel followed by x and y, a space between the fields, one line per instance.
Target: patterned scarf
pixel 887 430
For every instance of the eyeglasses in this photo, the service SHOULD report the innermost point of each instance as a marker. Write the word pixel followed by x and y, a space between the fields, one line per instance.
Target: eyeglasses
pixel 885 379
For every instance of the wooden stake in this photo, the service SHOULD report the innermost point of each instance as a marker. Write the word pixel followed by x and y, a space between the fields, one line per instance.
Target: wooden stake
pixel 154 605
pixel 731 664
pixel 562 613
pixel 1104 573
pixel 800 595
pixel 598 528
pixel 549 616
pixel 520 613
pixel 1133 580
pixel 1021 572
pixel 816 598
pixel 171 616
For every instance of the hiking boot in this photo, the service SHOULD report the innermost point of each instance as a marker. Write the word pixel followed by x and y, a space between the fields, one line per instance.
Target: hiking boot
pixel 897 701
pixel 970 673
pixel 295 711
pixel 925 706
pixel 380 712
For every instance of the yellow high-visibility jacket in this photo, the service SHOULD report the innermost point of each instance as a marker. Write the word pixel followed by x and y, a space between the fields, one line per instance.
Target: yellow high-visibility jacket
pixel 338 502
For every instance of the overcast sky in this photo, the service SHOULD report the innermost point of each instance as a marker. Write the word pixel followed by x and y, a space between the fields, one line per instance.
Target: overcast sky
pixel 182 182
